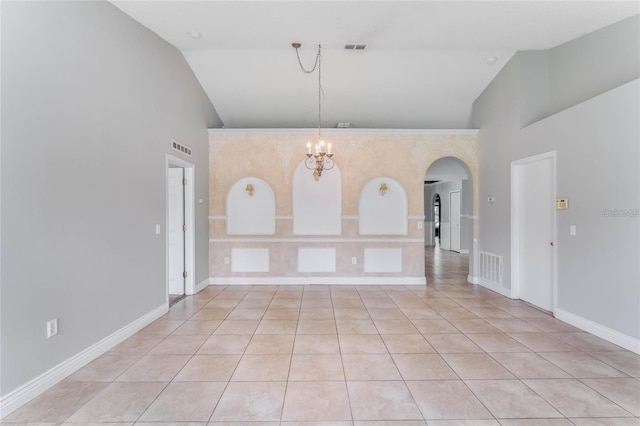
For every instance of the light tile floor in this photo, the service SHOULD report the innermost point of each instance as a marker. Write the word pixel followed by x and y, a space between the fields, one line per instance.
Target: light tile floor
pixel 446 354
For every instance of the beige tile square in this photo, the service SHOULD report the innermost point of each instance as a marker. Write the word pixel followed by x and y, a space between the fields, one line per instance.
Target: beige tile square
pixel 118 402
pixel 378 302
pixel 105 368
pixel 476 366
pixel 47 408
pixel 281 303
pixel 137 345
pixel 447 399
pixel 587 342
pixel 348 303
pixel 208 368
pixel 423 367
pixel 449 313
pixel 474 325
pixel 475 422
pixel 223 303
pixel 420 313
pixel 186 344
pixel 198 327
pixel 604 421
pixel 386 313
pixel 225 344
pixel 246 314
pixel 316 344
pixel 282 314
pixel 575 399
pixel 264 344
pixel 316 303
pixel 385 326
pixel 262 368
pixel 551 325
pixel 316 327
pixel 535 422
pixel 237 327
pixel 356 327
pixel 369 367
pixel 210 314
pixel 497 342
pixel 625 361
pixel 382 400
pixel 253 304
pixel 452 343
pixel 154 368
pixel 319 313
pixel 529 365
pixel 362 344
pixel 431 326
pixel 542 342
pixel 392 423
pixel 507 399
pixel 581 365
pixel 351 313
pixel 512 325
pixel 316 368
pixel 490 313
pixel 624 391
pixel 267 326
pixel 525 312
pixel 250 401
pixel 316 402
pixel 407 344
pixel 185 402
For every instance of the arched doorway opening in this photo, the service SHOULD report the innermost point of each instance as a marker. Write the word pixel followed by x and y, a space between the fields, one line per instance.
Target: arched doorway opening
pixel 448 191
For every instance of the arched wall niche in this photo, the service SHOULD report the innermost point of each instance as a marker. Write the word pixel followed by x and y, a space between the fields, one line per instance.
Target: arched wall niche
pixel 383 208
pixel 251 213
pixel 317 204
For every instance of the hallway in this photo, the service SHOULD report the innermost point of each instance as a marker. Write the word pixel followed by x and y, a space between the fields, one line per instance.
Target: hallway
pixel 352 355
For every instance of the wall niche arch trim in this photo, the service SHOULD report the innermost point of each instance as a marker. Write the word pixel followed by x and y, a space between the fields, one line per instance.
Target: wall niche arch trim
pixel 251 213
pixel 383 212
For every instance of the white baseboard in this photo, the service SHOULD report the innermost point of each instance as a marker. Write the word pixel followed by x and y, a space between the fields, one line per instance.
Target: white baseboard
pixel 202 285
pixel 609 334
pixel 473 280
pixel 25 393
pixel 317 280
pixel 464 251
pixel 495 287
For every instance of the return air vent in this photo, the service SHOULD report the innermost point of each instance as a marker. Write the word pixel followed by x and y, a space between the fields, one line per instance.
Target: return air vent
pixel 180 148
pixel 355 46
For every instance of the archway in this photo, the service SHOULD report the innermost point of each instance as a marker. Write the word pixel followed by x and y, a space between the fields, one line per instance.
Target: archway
pixel 448 179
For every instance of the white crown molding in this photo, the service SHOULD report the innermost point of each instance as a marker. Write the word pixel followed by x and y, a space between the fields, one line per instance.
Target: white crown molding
pixel 346 131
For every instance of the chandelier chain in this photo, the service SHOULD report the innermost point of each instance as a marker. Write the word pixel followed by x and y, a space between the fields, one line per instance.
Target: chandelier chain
pixel 317 64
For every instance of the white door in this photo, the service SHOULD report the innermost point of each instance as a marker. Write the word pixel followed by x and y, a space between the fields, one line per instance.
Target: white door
pixel 454 221
pixel 535 218
pixel 176 230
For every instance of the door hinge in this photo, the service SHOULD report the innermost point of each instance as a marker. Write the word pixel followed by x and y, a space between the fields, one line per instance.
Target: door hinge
pixel 184 228
pixel 184 274
pixel 184 182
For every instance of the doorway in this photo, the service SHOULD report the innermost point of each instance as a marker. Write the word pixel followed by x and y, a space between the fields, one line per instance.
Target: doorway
pixel 180 263
pixel 533 221
pixel 436 219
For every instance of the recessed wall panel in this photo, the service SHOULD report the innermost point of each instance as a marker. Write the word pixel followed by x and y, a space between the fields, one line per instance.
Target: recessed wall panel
pixel 317 259
pixel 250 260
pixel 382 260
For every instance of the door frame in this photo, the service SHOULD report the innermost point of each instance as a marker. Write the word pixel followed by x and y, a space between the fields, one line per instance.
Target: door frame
pixel 515 225
pixel 189 221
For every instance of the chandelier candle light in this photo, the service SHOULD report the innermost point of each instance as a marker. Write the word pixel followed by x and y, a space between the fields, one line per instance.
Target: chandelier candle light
pixel 320 160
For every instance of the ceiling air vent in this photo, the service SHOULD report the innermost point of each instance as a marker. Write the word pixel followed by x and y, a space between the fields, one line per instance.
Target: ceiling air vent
pixel 355 46
pixel 180 148
pixel 343 125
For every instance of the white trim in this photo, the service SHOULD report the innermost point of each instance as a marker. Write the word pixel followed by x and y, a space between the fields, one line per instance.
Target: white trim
pixel 459 192
pixel 515 225
pixel 416 217
pixel 318 280
pixel 347 131
pixel 493 287
pixel 25 393
pixel 473 217
pixel 284 217
pixel 316 240
pixel 350 217
pixel 202 285
pixel 464 251
pixel 189 221
pixel 609 334
pixel 473 280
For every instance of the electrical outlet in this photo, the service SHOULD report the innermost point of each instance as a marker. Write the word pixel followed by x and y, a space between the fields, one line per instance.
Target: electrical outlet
pixel 419 224
pixel 354 260
pixel 226 260
pixel 52 328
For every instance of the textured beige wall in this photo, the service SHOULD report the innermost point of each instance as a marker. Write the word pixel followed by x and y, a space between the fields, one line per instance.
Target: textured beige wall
pixel 361 157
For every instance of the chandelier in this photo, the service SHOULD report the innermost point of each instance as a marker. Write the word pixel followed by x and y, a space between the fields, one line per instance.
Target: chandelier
pixel 319 158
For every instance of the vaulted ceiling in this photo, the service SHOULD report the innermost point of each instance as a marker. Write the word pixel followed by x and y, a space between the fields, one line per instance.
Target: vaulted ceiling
pixel 424 64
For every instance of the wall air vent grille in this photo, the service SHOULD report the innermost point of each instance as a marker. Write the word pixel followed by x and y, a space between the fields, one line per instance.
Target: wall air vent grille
pixel 180 148
pixel 491 268
pixel 355 46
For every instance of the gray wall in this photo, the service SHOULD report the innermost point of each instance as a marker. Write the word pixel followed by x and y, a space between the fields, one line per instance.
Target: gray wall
pixel 90 101
pixel 586 88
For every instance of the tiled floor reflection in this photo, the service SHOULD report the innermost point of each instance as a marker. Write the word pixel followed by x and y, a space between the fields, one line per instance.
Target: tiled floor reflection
pixel 447 354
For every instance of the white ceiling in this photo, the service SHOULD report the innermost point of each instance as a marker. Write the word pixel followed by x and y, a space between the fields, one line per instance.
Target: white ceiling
pixel 425 64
